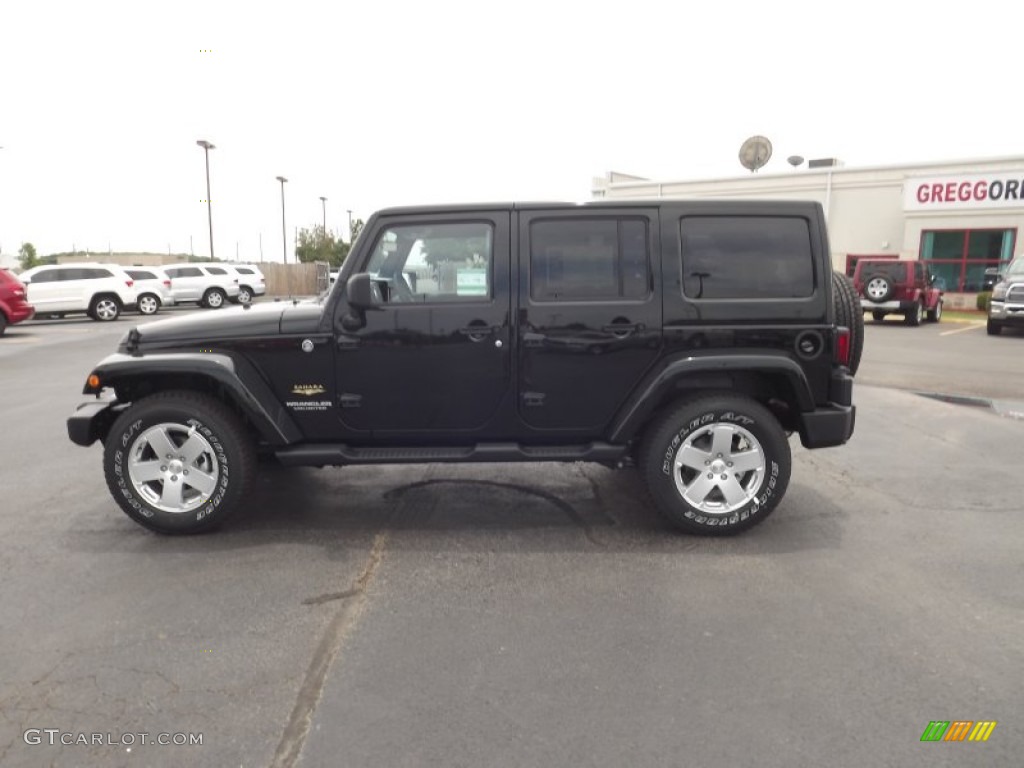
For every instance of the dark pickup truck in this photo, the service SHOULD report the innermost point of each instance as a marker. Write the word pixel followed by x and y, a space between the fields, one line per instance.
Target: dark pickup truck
pixel 685 338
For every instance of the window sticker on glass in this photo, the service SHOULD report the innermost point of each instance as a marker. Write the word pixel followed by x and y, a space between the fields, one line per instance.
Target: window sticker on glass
pixel 471 282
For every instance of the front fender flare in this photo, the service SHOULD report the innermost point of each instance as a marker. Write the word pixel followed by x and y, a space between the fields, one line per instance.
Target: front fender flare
pixel 238 377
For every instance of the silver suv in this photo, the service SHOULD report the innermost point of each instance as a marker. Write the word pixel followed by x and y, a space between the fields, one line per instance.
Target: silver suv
pixel 1007 306
pixel 100 290
pixel 207 284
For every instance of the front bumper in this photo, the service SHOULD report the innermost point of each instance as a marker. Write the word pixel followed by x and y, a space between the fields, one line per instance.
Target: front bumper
pixel 1006 312
pixel 91 421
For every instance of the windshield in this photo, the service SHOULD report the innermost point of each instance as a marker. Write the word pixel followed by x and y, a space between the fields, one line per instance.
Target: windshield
pixel 1016 267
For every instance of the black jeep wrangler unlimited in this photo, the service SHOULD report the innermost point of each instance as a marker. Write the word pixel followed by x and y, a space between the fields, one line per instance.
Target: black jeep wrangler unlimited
pixel 685 338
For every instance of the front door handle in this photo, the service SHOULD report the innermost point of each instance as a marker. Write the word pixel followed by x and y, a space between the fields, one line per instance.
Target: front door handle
pixel 479 332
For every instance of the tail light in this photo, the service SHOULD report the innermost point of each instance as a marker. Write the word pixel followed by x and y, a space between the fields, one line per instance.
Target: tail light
pixel 842 352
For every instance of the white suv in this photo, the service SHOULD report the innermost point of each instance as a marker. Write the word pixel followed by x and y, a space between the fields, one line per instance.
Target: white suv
pixel 207 284
pixel 251 282
pixel 101 290
pixel 153 288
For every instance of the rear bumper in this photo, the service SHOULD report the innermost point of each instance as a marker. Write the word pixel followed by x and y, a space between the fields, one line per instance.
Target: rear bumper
pixel 19 313
pixel 830 425
pixel 91 421
pixel 892 305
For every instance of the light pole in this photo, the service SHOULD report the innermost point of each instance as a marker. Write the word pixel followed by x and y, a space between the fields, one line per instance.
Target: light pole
pixel 349 226
pixel 207 146
pixel 284 232
pixel 323 202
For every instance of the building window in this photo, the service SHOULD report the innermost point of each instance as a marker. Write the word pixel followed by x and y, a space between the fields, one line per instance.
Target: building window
pixel 959 257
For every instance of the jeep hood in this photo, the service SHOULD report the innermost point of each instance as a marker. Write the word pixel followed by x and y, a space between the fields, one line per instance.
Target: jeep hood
pixel 258 320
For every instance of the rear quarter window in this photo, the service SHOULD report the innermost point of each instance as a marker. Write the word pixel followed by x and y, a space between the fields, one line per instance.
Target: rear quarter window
pixel 746 257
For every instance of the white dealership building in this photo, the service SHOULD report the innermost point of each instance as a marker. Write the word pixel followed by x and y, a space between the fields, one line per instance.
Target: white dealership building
pixel 960 217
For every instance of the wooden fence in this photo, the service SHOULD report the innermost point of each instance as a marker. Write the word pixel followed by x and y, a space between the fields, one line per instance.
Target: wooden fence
pixel 295 279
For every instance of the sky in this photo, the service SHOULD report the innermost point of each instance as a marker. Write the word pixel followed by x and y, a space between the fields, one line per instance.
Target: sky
pixel 374 104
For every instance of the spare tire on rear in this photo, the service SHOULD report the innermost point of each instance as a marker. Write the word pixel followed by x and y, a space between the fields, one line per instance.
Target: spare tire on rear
pixel 849 315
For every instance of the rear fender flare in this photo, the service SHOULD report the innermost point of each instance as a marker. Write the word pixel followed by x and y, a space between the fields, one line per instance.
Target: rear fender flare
pixel 659 385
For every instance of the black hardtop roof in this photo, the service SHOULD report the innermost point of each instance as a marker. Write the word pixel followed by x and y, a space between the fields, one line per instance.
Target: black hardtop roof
pixel 617 203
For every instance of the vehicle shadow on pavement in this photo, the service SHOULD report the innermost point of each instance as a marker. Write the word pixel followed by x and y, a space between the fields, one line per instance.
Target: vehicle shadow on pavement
pixel 569 508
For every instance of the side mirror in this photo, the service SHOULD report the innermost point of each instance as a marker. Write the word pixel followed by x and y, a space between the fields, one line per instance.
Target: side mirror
pixel 361 291
pixel 362 294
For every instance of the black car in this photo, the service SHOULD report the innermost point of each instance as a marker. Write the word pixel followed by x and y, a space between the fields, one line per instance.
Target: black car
pixel 687 339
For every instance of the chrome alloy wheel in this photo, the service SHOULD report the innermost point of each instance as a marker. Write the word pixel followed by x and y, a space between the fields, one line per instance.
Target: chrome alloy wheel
pixel 148 305
pixel 173 468
pixel 718 469
pixel 107 309
pixel 877 288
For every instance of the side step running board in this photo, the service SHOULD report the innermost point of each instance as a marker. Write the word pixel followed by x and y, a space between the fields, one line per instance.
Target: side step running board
pixel 337 454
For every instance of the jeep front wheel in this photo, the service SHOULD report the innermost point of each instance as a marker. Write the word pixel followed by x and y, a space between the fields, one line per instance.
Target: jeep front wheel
pixel 178 462
pixel 717 465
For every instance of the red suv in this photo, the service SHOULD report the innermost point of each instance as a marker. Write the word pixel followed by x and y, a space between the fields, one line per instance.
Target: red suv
pixel 898 287
pixel 13 306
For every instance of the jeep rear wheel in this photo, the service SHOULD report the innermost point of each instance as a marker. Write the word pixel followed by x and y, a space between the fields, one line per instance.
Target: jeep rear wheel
pixel 915 315
pixel 178 462
pixel 716 465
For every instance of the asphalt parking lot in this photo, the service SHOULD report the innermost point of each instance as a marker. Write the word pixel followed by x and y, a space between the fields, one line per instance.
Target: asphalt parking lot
pixel 527 615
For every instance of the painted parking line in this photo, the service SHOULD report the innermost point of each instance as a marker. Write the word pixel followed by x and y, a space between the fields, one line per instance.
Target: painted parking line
pixel 972 327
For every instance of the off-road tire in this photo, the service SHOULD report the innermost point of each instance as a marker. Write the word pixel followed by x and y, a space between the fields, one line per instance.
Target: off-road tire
pixel 914 317
pixel 3 323
pixel 849 315
pixel 226 461
pixel 214 298
pixel 935 315
pixel 684 431
pixel 992 328
pixel 882 281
